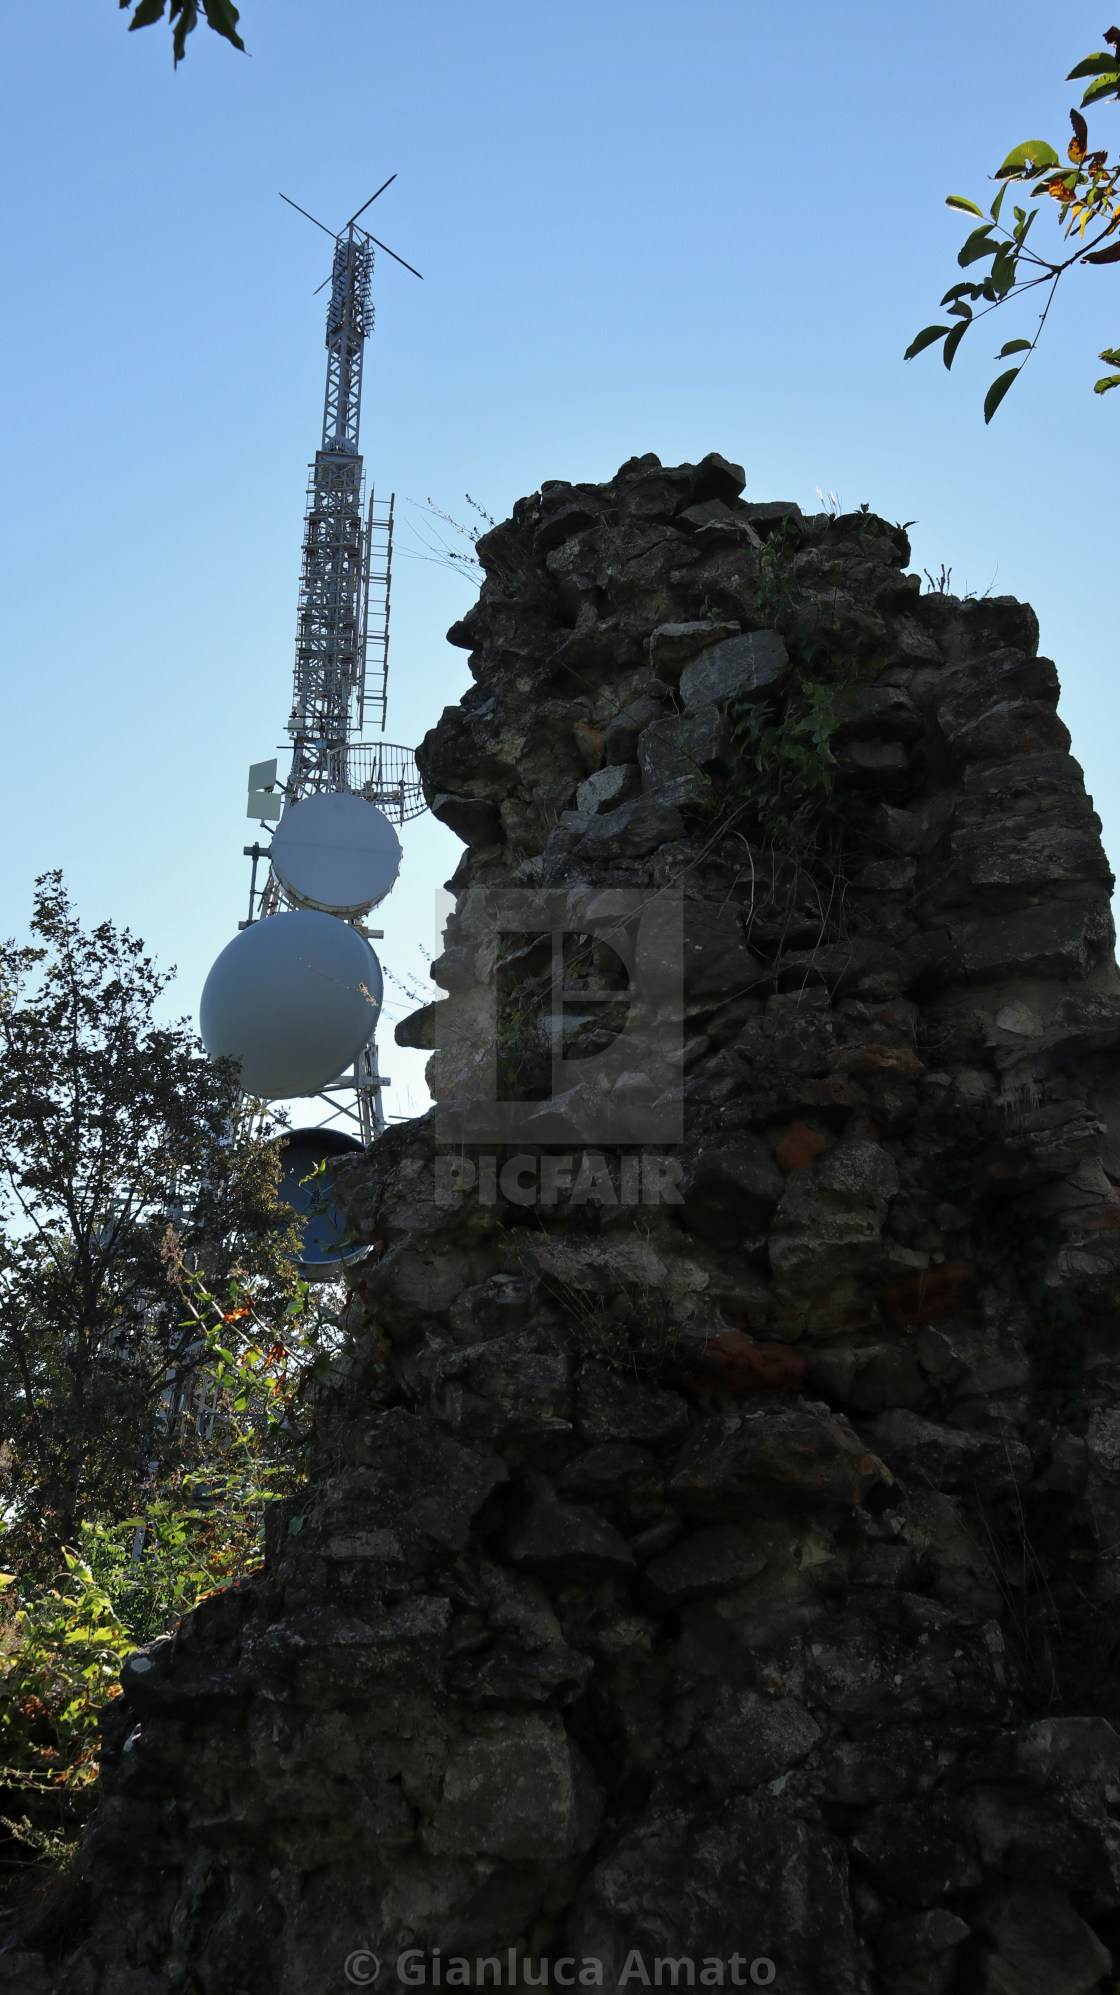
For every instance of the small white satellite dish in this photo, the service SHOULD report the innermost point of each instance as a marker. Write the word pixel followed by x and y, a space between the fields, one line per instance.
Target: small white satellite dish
pixel 293 999
pixel 335 852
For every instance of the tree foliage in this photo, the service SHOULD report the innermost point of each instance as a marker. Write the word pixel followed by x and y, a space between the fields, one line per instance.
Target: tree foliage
pixel 128 1579
pixel 60 1656
pixel 220 15
pixel 1086 198
pixel 126 1180
pixel 160 1359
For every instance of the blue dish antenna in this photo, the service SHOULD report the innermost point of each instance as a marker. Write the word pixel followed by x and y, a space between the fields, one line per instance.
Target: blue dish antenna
pixel 306 1189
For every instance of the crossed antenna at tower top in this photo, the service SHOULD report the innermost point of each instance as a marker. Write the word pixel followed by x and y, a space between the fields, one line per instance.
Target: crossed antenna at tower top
pixel 334 234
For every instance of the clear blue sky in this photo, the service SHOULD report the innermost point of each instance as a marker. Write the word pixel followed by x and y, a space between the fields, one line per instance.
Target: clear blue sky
pixel 642 226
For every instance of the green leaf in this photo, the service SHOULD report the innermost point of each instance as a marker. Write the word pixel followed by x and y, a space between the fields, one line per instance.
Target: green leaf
pixel 1111 354
pixel 223 18
pixel 1106 86
pixel 997 391
pixel 187 11
pixel 1104 255
pixel 977 245
pixel 1014 346
pixel 954 340
pixel 1033 156
pixel 1106 382
pixel 965 206
pixel 925 338
pixel 998 203
pixel 1004 271
pixel 1100 64
pixel 146 13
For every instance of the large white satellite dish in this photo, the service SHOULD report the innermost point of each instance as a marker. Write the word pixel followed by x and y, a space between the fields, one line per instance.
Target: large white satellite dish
pixel 335 852
pixel 293 999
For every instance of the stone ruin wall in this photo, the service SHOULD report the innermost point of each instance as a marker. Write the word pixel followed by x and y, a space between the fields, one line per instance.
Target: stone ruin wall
pixel 733 1578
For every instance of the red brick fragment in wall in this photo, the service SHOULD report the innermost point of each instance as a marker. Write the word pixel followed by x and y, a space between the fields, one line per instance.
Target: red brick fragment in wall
pixel 734 1363
pixel 798 1147
pixel 591 742
pixel 935 1292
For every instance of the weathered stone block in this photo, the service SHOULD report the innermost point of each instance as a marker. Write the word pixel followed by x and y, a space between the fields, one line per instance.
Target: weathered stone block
pixel 746 665
pixel 1032 851
pixel 919 1851
pixel 906 1938
pixel 684 747
pixel 709 1561
pixel 476 820
pixel 631 831
pixel 1002 707
pixel 830 1218
pixel 620 740
pixel 672 645
pixel 508 1675
pixel 1061 938
pixel 731 1188
pixel 879 713
pixel 616 1473
pixel 611 1407
pixel 802 1452
pixel 1038 1943
pixel 920 1450
pixel 883 762
pixel 565 1539
pixel 754 1740
pixel 607 788
pixel 522 1791
pixel 718 965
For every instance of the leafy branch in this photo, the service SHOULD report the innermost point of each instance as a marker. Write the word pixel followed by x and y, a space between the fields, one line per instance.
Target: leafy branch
pixel 1087 195
pixel 221 15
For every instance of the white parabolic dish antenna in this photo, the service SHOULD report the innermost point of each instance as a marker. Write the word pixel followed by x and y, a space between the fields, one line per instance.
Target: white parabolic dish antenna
pixel 293 999
pixel 335 852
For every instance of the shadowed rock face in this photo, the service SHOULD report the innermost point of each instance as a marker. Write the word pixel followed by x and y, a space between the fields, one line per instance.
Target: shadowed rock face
pixel 731 1577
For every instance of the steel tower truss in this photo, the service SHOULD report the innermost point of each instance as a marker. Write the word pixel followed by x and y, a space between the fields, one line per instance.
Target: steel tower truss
pixel 338 548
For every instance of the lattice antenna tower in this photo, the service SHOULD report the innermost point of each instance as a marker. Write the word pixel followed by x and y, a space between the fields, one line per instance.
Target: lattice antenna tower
pixel 342 642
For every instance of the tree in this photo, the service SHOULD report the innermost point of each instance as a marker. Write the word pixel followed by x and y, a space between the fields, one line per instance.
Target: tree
pixel 221 15
pixel 127 1188
pixel 1086 194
